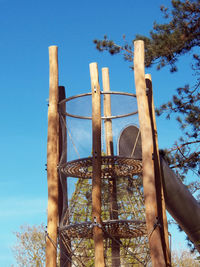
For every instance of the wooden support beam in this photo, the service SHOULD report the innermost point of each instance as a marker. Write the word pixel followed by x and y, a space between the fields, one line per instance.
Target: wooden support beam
pixel 62 152
pixel 65 255
pixel 107 112
pixel 96 164
pixel 52 159
pixel 149 184
pixel 158 174
pixel 109 151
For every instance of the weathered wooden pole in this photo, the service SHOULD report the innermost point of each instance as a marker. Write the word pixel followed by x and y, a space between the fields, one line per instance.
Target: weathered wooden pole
pixel 149 184
pixel 52 159
pixel 109 151
pixel 96 164
pixel 158 174
pixel 107 112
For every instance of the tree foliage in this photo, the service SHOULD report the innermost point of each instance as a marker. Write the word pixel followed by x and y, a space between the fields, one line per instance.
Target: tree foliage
pixel 166 43
pixel 29 250
pixel 183 258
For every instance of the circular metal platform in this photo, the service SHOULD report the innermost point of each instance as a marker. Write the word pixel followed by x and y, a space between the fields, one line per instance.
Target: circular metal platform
pixel 111 229
pixel 110 167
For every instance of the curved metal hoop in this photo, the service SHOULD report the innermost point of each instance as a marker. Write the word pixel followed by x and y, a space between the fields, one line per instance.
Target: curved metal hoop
pixel 103 118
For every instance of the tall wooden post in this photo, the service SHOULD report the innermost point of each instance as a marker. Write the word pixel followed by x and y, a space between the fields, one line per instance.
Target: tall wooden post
pixel 158 174
pixel 107 112
pixel 63 199
pixel 149 184
pixel 65 257
pixel 52 159
pixel 96 164
pixel 109 152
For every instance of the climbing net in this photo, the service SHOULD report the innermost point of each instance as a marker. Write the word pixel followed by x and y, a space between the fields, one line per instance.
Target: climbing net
pixel 123 223
pixel 128 231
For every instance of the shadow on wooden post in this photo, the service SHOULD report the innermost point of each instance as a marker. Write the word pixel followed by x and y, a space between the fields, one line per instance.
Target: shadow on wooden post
pixel 96 165
pixel 149 183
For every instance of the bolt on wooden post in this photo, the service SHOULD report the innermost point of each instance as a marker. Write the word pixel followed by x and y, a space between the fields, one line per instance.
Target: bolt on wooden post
pixel 96 165
pixel 52 159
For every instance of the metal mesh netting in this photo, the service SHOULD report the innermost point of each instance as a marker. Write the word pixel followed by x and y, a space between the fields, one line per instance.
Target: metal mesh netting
pixel 123 222
pixel 129 230
pixel 79 130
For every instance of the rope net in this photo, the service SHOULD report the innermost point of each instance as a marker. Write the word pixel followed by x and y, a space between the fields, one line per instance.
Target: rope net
pixel 123 215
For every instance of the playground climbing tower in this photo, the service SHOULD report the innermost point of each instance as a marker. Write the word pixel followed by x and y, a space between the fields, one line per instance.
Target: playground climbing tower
pixel 105 206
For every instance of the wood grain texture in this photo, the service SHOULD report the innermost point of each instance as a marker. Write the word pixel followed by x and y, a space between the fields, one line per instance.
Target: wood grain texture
pixel 158 174
pixel 96 164
pixel 52 159
pixel 151 210
pixel 109 152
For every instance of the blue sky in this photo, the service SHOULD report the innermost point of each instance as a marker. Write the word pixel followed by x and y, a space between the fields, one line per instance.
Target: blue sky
pixel 27 29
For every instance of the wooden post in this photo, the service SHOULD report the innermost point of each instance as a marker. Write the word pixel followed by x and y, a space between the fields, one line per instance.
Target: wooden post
pixel 159 180
pixel 109 152
pixel 52 159
pixel 107 112
pixel 149 184
pixel 62 153
pixel 96 164
pixel 65 256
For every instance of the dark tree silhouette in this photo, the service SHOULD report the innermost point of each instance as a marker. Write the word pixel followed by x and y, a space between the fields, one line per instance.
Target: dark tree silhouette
pixel 166 43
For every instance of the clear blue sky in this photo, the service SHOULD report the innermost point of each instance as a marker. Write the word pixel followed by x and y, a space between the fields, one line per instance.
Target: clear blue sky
pixel 27 29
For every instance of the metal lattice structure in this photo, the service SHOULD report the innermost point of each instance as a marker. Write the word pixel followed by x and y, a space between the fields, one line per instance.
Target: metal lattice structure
pixel 111 167
pixel 125 226
pixel 99 195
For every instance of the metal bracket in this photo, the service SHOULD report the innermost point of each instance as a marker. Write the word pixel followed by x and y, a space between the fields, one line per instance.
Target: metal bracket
pixel 95 223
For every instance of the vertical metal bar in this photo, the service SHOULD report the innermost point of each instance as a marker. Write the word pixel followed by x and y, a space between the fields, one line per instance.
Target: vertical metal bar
pixel 52 159
pixel 109 151
pixel 149 184
pixel 96 164
pixel 158 175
